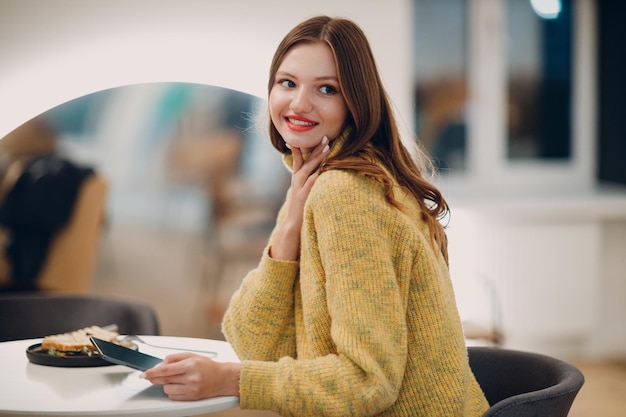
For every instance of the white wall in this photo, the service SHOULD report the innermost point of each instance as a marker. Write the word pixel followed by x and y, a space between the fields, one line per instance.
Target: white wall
pixel 53 51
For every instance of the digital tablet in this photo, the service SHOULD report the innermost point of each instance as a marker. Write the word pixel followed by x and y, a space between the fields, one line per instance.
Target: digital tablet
pixel 121 355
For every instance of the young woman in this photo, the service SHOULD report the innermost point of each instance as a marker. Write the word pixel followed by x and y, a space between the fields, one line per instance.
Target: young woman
pixel 350 311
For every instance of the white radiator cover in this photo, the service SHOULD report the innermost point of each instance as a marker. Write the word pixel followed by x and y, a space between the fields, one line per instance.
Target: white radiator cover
pixel 553 280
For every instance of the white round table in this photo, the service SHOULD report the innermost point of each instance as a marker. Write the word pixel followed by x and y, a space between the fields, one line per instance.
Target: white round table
pixel 38 390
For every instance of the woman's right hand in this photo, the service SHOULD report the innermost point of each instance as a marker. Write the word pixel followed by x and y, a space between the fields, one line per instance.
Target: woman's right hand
pixel 188 377
pixel 285 244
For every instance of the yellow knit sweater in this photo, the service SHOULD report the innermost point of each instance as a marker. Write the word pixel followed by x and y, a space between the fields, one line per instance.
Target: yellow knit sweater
pixel 364 324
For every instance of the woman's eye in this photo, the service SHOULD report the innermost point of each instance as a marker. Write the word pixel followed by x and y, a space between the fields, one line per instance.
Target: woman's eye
pixel 287 83
pixel 328 89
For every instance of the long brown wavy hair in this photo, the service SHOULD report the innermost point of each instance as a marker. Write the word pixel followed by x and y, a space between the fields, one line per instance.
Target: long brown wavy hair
pixel 374 133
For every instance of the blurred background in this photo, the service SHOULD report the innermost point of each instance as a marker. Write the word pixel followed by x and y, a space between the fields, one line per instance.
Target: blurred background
pixel 518 101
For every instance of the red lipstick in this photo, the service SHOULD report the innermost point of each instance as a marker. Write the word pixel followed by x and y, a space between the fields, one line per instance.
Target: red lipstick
pixel 299 124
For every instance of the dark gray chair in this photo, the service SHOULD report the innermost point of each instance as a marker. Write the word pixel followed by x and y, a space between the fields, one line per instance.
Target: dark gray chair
pixel 524 384
pixel 33 315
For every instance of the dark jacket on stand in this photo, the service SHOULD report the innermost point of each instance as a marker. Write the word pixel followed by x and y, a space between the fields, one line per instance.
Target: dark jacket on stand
pixel 34 210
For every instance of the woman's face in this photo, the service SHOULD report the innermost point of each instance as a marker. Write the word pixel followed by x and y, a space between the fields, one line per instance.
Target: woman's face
pixel 305 102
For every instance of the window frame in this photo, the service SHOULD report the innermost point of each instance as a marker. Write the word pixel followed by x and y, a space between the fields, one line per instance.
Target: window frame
pixel 488 167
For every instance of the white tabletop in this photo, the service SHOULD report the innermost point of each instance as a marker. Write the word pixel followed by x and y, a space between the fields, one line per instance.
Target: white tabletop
pixel 32 389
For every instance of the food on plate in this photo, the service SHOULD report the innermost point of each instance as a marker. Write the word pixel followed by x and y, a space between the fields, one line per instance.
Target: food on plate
pixel 77 342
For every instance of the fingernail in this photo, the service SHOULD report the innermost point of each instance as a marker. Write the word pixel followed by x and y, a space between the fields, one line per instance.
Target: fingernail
pixel 325 139
pixel 142 375
pixel 326 148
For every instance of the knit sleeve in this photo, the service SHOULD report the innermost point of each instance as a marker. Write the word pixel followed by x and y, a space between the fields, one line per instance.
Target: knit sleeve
pixel 259 321
pixel 350 232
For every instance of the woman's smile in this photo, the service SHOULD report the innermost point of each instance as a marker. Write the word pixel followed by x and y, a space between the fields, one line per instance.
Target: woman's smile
pixel 300 124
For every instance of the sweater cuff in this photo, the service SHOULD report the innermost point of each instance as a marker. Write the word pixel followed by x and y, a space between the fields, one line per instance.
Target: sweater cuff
pixel 279 275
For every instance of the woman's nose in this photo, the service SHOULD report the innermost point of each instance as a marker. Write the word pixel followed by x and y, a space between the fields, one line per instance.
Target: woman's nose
pixel 301 101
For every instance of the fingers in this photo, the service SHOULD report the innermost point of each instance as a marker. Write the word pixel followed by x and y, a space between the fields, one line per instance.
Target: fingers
pixel 324 144
pixel 189 376
pixel 163 374
pixel 313 159
pixel 305 172
pixel 297 159
pixel 182 392
pixel 171 367
pixel 320 150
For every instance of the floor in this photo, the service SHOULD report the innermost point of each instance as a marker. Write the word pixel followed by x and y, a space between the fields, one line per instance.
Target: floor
pixel 177 275
pixel 604 392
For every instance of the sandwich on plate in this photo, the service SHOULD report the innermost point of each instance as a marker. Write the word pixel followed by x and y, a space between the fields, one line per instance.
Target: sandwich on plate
pixel 77 342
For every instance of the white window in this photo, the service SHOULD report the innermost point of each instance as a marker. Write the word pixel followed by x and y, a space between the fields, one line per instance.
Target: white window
pixel 504 94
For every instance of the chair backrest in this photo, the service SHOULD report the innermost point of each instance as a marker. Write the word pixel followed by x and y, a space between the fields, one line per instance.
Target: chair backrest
pixel 32 315
pixel 524 384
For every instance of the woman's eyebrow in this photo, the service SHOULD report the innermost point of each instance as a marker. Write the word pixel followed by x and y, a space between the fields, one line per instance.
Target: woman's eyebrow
pixel 320 78
pixel 327 78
